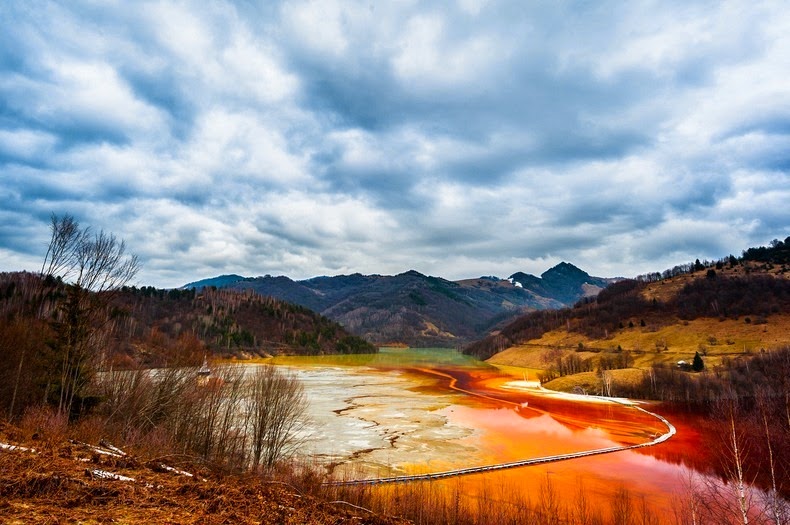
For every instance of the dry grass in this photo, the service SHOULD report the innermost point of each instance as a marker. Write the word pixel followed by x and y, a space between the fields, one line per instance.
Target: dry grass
pixel 60 483
pixel 519 372
pixel 526 356
pixel 664 341
pixel 720 337
pixel 715 339
pixel 666 289
pixel 591 383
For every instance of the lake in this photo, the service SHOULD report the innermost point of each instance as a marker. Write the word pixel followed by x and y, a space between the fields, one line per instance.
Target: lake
pixel 408 411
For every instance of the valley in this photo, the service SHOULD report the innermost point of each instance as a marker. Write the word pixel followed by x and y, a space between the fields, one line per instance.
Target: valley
pixel 637 398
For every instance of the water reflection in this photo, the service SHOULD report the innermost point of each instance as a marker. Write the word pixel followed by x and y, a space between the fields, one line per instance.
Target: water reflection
pixel 417 411
pixel 414 411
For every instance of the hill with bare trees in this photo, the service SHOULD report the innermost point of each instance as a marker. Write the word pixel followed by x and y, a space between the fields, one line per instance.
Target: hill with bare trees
pixel 633 314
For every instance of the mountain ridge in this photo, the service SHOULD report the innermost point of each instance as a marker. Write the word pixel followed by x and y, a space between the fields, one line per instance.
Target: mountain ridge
pixel 418 309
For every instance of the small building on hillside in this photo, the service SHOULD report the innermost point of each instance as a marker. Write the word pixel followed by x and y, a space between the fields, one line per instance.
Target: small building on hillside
pixel 203 373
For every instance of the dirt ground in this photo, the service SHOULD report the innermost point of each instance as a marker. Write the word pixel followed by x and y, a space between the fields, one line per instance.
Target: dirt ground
pixel 69 482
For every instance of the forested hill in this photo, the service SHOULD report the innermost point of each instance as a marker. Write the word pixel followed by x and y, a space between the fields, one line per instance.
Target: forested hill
pixel 228 322
pixel 752 288
pixel 153 327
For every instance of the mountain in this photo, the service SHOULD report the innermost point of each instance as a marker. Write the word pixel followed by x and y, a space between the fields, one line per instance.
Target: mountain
pixel 422 310
pixel 565 283
pixel 218 282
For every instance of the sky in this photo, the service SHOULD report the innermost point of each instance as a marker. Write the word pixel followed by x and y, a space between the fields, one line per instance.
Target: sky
pixel 458 139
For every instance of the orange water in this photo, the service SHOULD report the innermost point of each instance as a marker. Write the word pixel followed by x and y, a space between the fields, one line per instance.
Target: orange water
pixel 515 425
pixel 511 425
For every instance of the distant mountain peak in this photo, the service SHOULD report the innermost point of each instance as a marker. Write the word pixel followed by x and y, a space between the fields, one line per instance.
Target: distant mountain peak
pixel 219 281
pixel 563 282
pixel 420 309
pixel 565 270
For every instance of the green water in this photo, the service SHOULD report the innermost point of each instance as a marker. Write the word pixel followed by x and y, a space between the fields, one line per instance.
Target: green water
pixel 390 358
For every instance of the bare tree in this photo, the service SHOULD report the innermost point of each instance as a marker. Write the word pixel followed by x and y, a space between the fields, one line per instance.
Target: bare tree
pixel 275 413
pixel 734 500
pixel 622 507
pixel 776 508
pixel 101 263
pixel 582 512
pixel 66 236
pixel 606 383
pixel 549 503
pixel 97 266
pixel 735 442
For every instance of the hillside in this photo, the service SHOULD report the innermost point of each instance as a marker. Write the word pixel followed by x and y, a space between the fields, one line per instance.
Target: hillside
pixel 44 322
pixel 720 310
pixel 147 322
pixel 421 310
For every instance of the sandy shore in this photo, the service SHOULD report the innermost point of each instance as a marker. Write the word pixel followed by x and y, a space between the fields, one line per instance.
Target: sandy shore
pixel 534 387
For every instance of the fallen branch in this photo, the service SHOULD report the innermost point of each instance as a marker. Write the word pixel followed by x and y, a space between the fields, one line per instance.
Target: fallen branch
pixel 97 449
pixel 104 474
pixel 156 464
pixel 110 446
pixel 178 471
pixel 8 446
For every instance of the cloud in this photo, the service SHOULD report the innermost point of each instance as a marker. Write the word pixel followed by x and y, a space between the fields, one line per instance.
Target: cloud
pixel 459 138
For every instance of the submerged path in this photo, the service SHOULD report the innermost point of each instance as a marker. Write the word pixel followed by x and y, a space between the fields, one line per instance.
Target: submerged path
pixel 671 431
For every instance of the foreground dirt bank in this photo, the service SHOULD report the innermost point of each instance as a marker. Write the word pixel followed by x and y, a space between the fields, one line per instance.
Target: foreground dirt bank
pixel 50 481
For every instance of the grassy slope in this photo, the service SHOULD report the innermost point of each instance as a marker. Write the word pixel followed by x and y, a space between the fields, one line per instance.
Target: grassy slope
pixel 676 340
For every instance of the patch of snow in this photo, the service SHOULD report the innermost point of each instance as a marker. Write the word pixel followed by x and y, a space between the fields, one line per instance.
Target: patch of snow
pixel 103 474
pixel 7 446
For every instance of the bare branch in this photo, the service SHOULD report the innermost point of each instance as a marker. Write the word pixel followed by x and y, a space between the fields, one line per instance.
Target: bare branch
pixel 65 236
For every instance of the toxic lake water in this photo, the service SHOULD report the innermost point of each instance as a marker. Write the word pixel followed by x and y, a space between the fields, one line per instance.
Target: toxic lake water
pixel 417 411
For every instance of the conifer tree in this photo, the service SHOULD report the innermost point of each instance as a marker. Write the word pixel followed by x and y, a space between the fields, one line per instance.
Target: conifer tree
pixel 698 365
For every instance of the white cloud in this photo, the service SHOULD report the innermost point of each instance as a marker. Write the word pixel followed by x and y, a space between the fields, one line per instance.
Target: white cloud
pixel 428 59
pixel 470 138
pixel 183 32
pixel 251 68
pixel 234 146
pixel 319 25
pixel 94 94
pixel 25 143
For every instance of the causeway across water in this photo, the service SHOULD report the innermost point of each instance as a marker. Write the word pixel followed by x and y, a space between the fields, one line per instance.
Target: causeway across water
pixel 671 431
